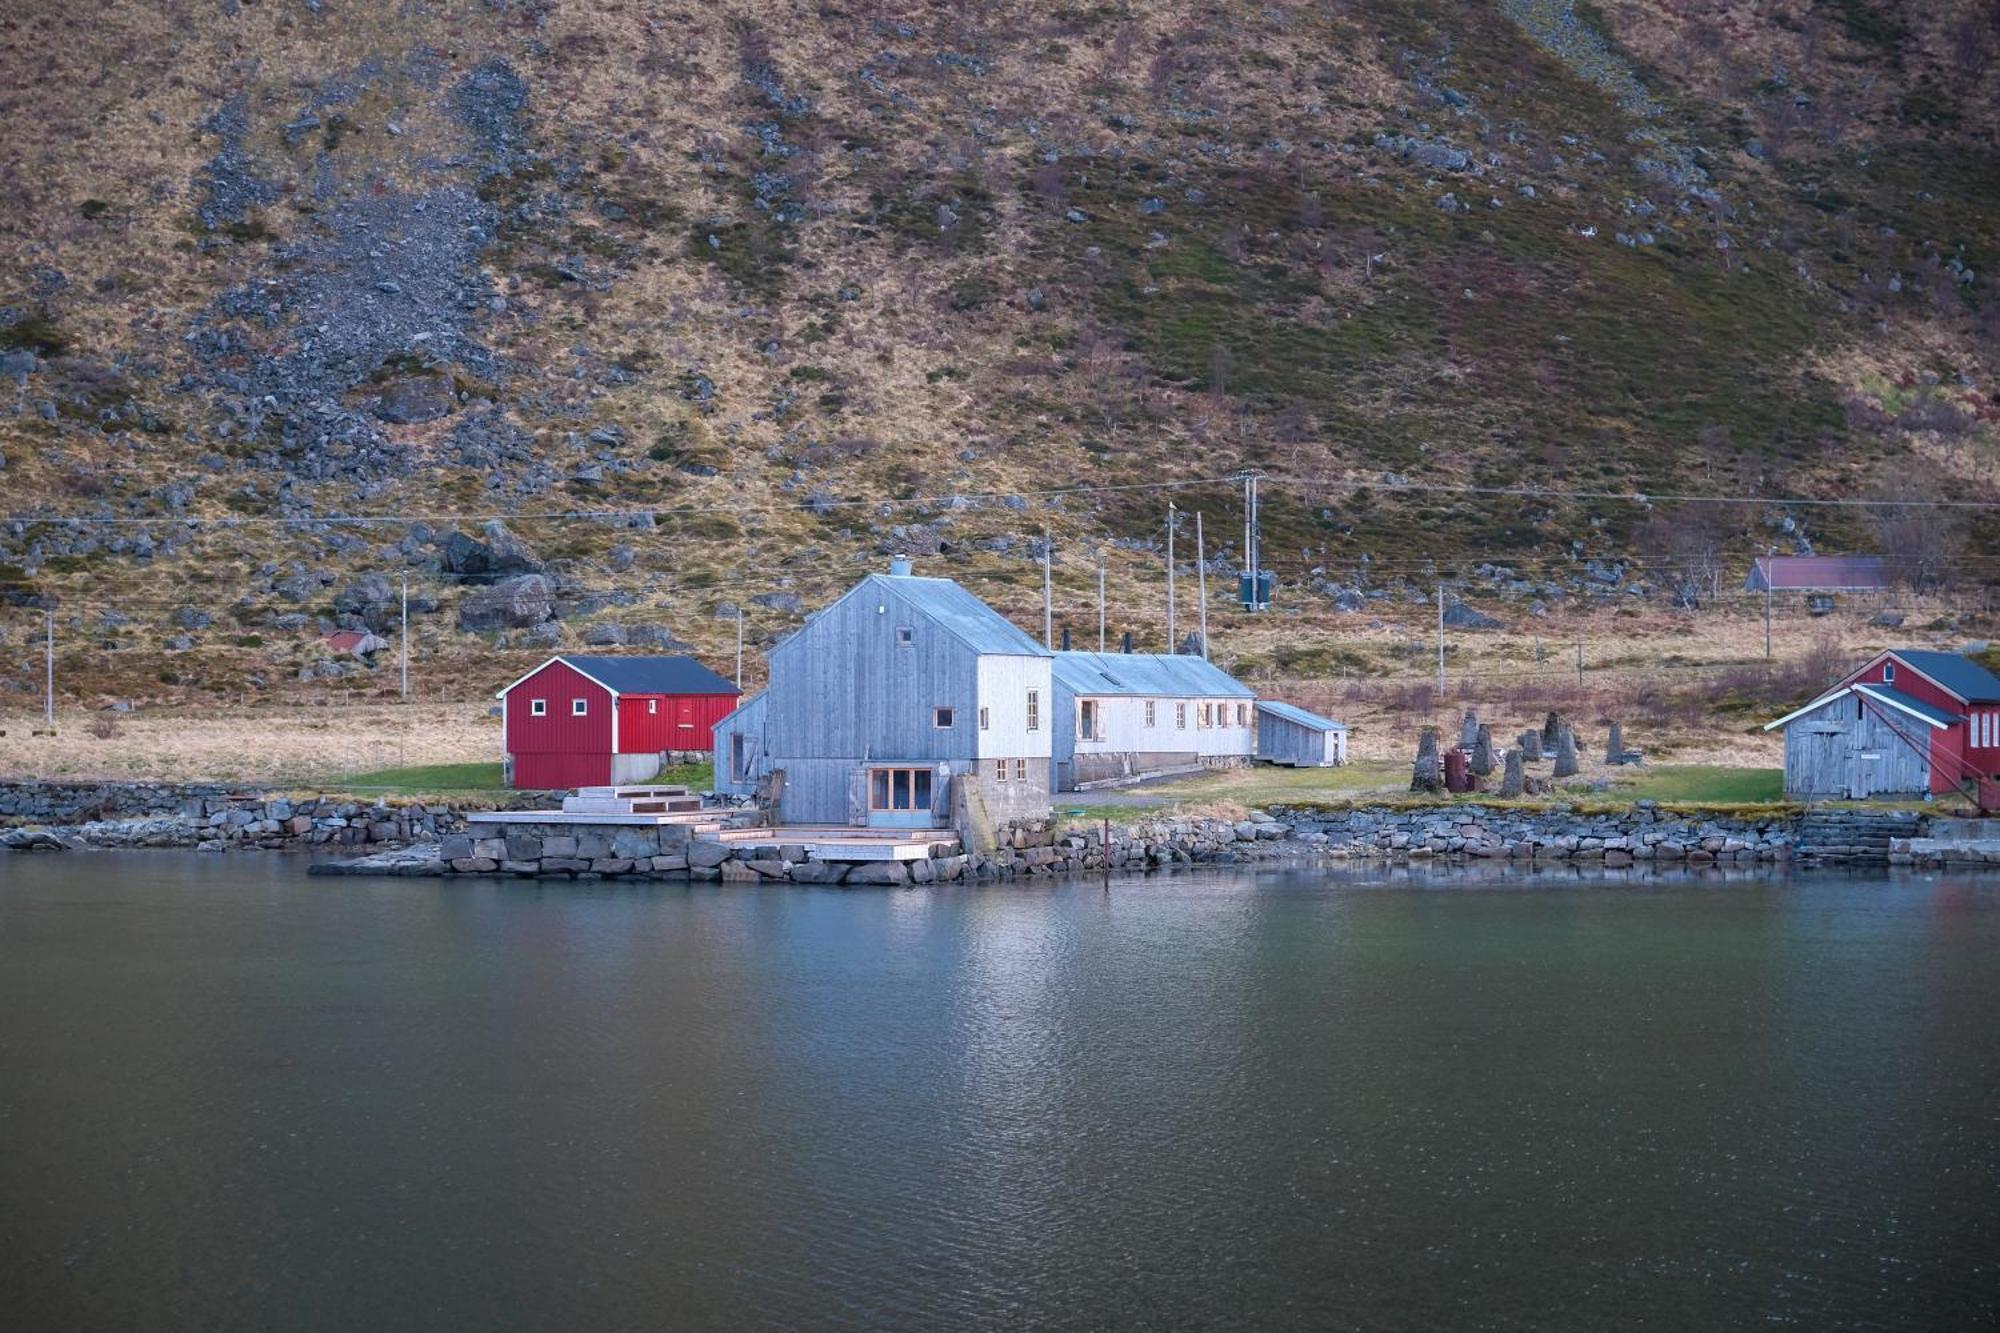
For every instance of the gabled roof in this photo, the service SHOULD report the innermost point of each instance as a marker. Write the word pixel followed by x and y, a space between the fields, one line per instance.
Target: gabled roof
pixel 747 701
pixel 1928 714
pixel 957 612
pixel 640 675
pixel 1817 573
pixel 1162 675
pixel 1909 703
pixel 1960 675
pixel 1293 713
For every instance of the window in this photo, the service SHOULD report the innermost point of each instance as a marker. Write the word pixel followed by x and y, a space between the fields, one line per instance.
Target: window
pixel 1149 712
pixel 1243 715
pixel 1034 710
pixel 1180 716
pixel 579 707
pixel 985 719
pixel 941 718
pixel 652 705
pixel 538 708
pixel 739 770
pixel 905 634
pixel 1089 720
pixel 1888 673
pixel 1202 717
pixel 902 789
pixel 999 770
pixel 1020 770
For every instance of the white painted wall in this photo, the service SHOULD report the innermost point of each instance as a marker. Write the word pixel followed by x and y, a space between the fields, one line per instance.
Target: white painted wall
pixel 1125 730
pixel 1003 685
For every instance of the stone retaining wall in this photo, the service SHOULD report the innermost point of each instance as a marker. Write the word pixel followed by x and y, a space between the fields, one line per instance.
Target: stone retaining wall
pixel 1645 832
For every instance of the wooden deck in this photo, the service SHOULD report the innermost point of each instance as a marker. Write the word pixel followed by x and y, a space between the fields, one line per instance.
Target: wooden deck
pixel 841 843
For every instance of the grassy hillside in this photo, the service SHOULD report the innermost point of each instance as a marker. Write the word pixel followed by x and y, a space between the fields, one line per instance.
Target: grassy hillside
pixel 768 279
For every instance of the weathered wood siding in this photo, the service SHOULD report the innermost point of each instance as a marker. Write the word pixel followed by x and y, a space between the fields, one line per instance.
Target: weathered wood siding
pixel 847 692
pixel 1851 748
pixel 748 723
pixel 1283 741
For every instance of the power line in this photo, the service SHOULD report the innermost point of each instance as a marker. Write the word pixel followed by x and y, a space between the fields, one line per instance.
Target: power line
pixel 613 515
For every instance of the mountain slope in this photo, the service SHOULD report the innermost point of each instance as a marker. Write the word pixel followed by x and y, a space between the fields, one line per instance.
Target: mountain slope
pixel 767 271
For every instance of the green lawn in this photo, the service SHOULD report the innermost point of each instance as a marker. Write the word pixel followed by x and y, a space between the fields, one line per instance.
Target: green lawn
pixel 1676 784
pixel 1700 783
pixel 484 779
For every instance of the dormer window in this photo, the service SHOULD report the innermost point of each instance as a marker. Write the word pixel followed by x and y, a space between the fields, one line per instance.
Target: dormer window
pixel 1888 673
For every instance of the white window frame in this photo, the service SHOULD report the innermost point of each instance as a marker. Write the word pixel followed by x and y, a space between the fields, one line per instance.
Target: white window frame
pixel 1020 770
pixel 538 708
pixel 1034 710
pixel 1888 673
pixel 999 770
pixel 985 719
pixel 1149 712
pixel 652 706
pixel 579 707
pixel 1180 716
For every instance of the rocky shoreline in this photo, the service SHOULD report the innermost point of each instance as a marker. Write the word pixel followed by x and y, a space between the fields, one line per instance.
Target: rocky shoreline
pixel 433 839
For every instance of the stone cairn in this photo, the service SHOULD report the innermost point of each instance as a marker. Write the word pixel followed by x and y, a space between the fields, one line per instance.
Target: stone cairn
pixel 1428 774
pixel 1482 751
pixel 1566 766
pixel 1512 780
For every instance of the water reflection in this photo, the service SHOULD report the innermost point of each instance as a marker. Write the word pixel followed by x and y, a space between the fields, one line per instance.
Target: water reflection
pixel 1504 1095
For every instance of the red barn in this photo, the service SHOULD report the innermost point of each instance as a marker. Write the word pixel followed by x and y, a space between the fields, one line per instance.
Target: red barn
pixel 1906 723
pixel 597 721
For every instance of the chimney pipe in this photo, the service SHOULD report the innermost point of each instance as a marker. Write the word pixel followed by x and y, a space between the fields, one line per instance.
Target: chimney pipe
pixel 1125 643
pixel 899 565
pixel 1065 638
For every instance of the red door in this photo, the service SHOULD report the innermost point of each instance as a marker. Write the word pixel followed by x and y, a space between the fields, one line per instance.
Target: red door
pixel 684 725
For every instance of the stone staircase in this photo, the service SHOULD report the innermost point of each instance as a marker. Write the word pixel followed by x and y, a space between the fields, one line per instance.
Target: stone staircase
pixel 1854 835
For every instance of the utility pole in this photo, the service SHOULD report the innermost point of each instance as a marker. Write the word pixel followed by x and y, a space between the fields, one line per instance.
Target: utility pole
pixel 739 650
pixel 1172 645
pixel 1440 593
pixel 1579 665
pixel 1048 592
pixel 405 646
pixel 1201 579
pixel 49 681
pixel 1100 601
pixel 1767 615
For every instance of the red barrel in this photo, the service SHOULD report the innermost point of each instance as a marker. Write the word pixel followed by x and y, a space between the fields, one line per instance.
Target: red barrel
pixel 1457 771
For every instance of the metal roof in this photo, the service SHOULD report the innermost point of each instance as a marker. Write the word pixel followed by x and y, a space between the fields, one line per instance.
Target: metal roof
pixel 1909 703
pixel 1293 713
pixel 1817 573
pixel 1961 675
pixel 1165 675
pixel 650 675
pixel 959 613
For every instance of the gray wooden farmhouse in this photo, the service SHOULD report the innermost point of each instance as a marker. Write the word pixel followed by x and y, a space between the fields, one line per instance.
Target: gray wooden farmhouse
pixel 883 705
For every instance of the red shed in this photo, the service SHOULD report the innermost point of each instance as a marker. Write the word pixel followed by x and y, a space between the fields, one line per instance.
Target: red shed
pixel 594 721
pixel 1933 715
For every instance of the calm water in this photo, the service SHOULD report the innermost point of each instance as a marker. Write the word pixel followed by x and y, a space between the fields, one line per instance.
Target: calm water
pixel 231 1097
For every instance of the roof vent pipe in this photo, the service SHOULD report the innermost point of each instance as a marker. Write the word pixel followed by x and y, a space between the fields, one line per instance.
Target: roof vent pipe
pixel 1065 638
pixel 899 565
pixel 1125 643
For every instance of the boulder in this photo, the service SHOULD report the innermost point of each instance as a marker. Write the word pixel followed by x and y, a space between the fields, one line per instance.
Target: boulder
pixel 1428 773
pixel 418 399
pixel 878 872
pixel 514 603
